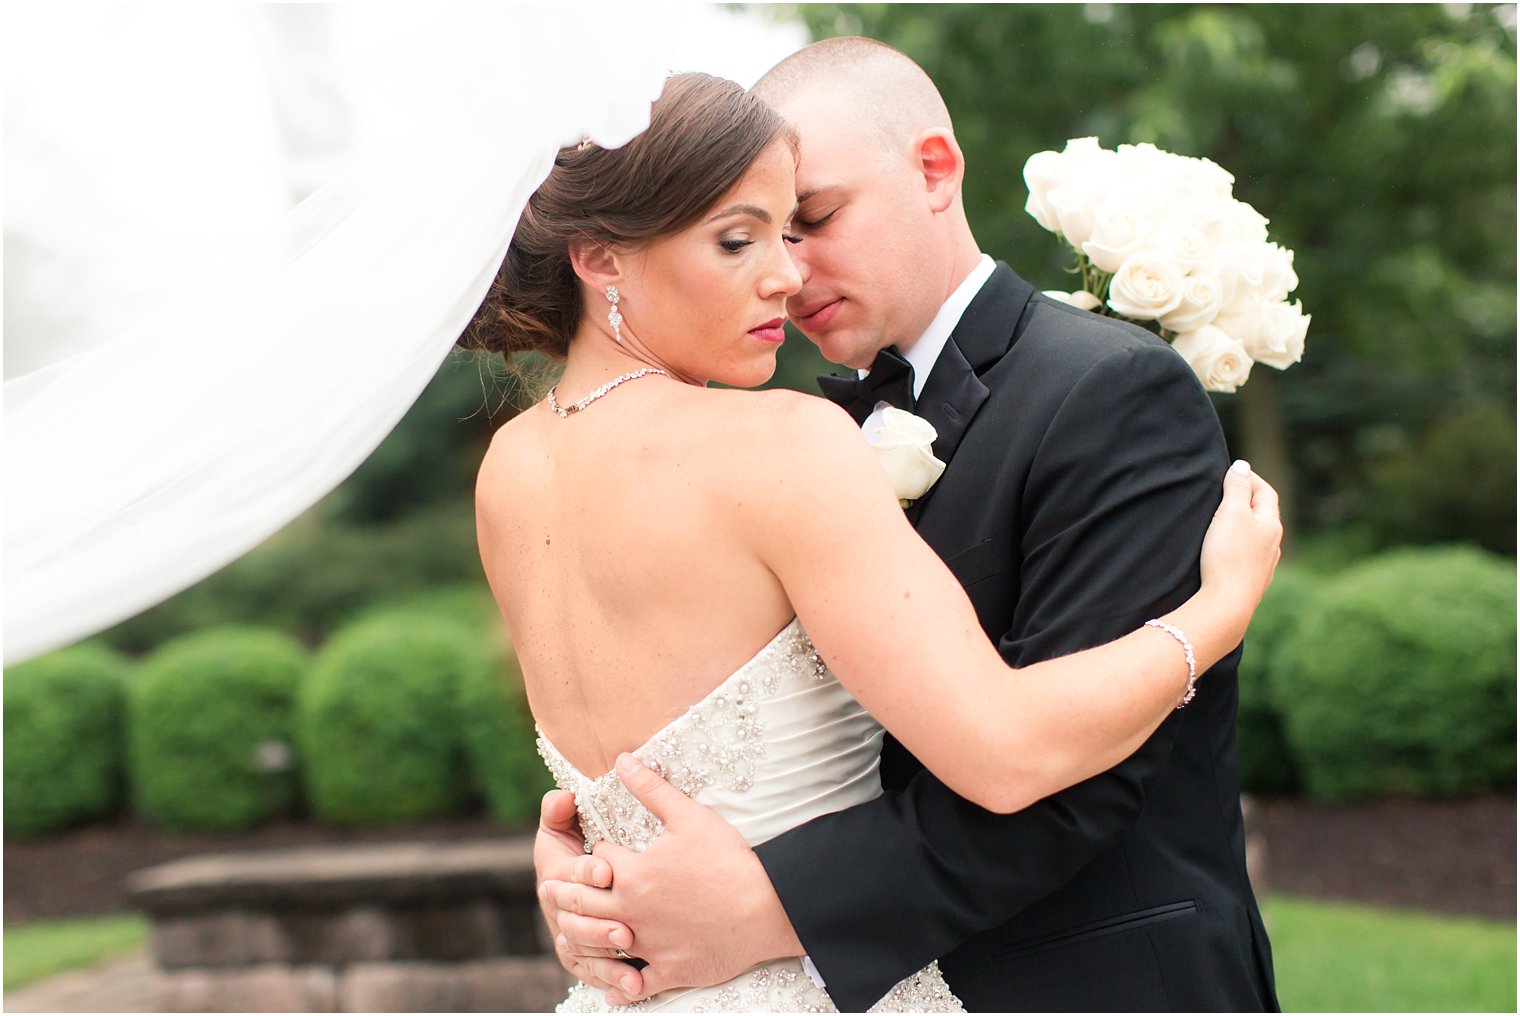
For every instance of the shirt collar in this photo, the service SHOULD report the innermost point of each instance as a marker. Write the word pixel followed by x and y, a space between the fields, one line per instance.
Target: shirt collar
pixel 924 353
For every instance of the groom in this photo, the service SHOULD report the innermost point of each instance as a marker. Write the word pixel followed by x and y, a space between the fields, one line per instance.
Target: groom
pixel 1084 464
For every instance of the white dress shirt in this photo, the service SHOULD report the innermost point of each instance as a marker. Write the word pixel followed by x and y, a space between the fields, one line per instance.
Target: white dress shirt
pixel 924 353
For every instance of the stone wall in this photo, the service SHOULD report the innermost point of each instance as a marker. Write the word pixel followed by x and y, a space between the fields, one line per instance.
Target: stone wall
pixel 392 928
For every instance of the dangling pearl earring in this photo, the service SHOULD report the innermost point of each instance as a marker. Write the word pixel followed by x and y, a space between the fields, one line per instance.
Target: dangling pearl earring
pixel 615 316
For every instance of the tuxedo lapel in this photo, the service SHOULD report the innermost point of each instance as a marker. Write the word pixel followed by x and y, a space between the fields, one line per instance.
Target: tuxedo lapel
pixel 952 395
pixel 994 319
pixel 954 391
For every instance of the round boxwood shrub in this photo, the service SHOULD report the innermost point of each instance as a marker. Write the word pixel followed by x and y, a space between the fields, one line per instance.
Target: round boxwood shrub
pixel 1266 762
pixel 64 720
pixel 499 738
pixel 468 605
pixel 496 726
pixel 378 722
pixel 1402 678
pixel 211 729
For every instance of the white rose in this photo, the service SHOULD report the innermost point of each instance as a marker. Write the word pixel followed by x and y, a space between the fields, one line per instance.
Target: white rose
pixel 1278 278
pixel 1147 286
pixel 1220 362
pixel 904 443
pixel 1202 296
pixel 1081 299
pixel 1064 186
pixel 1242 319
pixel 1190 246
pixel 1042 174
pixel 1249 263
pixel 1117 232
pixel 1075 207
pixel 1248 224
pixel 1280 341
pixel 1206 177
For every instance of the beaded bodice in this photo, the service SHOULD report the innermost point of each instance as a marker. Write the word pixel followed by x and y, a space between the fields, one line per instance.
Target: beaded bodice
pixel 777 743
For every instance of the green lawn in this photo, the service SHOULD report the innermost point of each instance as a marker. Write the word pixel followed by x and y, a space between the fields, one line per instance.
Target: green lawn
pixel 1334 957
pixel 39 948
pixel 1330 957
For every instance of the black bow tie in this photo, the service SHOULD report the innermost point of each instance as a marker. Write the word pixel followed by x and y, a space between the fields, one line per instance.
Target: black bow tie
pixel 890 380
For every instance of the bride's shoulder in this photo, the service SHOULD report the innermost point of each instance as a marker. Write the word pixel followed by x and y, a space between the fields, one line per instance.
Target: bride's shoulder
pixel 777 424
pixel 508 451
pixel 763 440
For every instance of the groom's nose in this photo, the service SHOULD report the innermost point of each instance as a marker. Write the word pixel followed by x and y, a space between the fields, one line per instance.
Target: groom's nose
pixel 799 255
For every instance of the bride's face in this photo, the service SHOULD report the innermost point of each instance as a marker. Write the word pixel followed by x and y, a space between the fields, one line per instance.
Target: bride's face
pixel 710 300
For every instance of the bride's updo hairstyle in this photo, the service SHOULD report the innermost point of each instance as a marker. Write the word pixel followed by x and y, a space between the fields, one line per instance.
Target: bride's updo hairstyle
pixel 704 134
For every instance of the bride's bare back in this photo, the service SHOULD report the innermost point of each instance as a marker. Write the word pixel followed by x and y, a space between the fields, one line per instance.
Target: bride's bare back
pixel 611 546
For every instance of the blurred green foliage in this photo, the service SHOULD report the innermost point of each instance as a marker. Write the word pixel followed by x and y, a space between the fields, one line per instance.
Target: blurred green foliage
pixel 211 729
pixel 1266 763
pixel 319 571
pixel 1399 676
pixel 378 721
pixel 64 723
pixel 1457 483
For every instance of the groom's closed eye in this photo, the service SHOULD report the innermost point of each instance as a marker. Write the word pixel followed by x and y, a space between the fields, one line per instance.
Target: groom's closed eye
pixel 805 221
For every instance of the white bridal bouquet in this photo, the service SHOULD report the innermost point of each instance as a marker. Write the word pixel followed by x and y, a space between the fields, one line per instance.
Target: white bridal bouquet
pixel 1160 241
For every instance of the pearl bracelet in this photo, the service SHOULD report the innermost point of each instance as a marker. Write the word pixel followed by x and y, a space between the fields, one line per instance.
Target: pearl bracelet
pixel 1187 649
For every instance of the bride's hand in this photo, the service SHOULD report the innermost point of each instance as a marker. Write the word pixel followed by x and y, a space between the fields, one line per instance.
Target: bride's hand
pixel 1244 542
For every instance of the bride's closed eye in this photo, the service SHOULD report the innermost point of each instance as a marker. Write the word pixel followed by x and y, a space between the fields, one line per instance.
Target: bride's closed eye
pixel 734 245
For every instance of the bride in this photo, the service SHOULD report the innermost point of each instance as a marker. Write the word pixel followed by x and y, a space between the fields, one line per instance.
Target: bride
pixel 720 585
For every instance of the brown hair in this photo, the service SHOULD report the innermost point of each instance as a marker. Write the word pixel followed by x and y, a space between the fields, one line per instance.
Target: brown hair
pixel 704 134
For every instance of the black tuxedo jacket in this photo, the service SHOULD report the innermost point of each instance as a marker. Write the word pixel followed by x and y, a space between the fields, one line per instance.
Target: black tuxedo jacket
pixel 1084 465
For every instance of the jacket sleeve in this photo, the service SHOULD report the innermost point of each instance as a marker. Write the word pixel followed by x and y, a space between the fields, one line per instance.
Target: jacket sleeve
pixel 1120 491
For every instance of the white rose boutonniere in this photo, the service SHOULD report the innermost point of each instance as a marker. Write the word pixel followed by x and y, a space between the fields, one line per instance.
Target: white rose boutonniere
pixel 904 444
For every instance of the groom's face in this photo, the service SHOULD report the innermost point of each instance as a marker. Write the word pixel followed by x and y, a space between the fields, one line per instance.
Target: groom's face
pixel 862 214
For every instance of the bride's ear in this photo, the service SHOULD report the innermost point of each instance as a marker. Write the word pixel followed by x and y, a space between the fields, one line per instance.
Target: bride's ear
pixel 595 264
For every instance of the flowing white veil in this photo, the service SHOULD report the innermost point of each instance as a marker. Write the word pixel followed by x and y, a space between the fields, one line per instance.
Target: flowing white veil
pixel 142 460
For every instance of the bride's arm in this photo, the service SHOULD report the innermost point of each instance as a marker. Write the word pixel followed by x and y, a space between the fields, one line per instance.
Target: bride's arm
pixel 901 635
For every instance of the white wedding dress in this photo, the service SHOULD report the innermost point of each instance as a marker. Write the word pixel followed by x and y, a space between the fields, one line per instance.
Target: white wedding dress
pixel 778 743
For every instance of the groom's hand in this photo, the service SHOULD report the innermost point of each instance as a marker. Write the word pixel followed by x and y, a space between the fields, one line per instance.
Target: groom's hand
pixel 559 853
pixel 698 901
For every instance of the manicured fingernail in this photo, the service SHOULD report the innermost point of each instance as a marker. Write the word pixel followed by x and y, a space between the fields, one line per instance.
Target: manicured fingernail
pixel 627 983
pixel 1240 466
pixel 621 939
pixel 628 765
pixel 562 942
pixel 543 891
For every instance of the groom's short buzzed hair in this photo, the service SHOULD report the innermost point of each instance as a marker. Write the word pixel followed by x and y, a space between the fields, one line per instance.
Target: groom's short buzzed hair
pixel 889 90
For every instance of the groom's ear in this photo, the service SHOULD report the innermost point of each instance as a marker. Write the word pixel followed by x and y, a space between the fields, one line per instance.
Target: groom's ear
pixel 939 159
pixel 595 264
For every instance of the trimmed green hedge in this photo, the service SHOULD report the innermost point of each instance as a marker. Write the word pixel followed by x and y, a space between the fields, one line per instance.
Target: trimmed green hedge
pixel 499 738
pixel 1401 679
pixel 211 729
pixel 1266 763
pixel 496 728
pixel 469 606
pixel 379 723
pixel 63 739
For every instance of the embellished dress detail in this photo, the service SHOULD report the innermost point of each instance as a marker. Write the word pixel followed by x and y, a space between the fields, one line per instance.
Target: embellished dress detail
pixel 777 744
